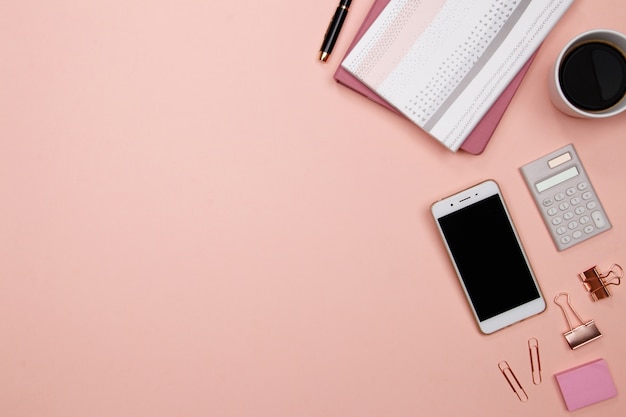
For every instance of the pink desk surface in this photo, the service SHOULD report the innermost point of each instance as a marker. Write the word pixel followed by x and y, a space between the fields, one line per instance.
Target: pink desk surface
pixel 196 220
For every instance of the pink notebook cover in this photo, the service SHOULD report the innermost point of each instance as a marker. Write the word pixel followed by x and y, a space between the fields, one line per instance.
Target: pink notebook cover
pixel 477 141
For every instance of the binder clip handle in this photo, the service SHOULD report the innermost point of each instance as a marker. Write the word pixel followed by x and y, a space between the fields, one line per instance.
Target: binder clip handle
pixel 614 274
pixel 569 323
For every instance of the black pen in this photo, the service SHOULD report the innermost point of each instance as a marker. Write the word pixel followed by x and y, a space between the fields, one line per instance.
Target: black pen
pixel 333 29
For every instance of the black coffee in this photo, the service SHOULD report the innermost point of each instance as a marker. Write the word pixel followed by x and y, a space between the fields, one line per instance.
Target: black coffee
pixel 593 76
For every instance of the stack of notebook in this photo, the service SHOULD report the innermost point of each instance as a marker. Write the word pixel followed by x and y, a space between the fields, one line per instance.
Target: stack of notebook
pixel 450 66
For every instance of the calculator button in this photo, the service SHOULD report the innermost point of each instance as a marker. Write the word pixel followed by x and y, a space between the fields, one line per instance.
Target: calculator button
pixel 589 229
pixel 579 210
pixel 552 211
pixel 582 186
pixel 591 205
pixel 572 225
pixel 561 229
pixel 587 195
pixel 563 206
pixel 584 219
pixel 557 220
pixel 548 202
pixel 568 216
pixel 565 240
pixel 559 196
pixel 570 191
pixel 598 219
pixel 577 234
pixel 575 200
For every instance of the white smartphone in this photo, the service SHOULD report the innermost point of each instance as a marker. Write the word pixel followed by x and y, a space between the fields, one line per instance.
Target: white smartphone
pixel 488 256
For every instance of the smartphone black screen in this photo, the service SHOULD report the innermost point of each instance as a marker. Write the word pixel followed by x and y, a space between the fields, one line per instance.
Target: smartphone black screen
pixel 489 258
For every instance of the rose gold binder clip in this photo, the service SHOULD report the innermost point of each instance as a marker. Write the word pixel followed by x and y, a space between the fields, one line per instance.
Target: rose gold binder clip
pixel 535 362
pixel 513 381
pixel 597 283
pixel 582 334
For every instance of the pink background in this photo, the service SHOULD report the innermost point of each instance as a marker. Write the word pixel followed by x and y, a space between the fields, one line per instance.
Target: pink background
pixel 196 220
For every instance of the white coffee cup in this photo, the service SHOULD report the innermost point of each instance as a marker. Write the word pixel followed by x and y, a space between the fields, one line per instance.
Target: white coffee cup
pixel 558 96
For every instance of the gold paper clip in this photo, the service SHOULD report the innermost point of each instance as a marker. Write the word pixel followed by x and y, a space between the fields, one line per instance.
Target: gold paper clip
pixel 535 362
pixel 513 381
pixel 597 283
pixel 581 335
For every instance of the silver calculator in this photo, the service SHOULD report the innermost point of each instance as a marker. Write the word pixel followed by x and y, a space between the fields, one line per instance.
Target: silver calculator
pixel 565 197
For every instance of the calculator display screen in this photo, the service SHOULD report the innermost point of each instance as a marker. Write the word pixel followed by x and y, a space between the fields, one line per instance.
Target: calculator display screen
pixel 557 179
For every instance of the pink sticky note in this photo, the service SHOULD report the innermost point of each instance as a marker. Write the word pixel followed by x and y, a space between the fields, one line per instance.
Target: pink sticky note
pixel 586 384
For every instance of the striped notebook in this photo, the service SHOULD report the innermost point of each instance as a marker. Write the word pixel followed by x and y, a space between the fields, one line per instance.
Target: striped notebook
pixel 443 63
